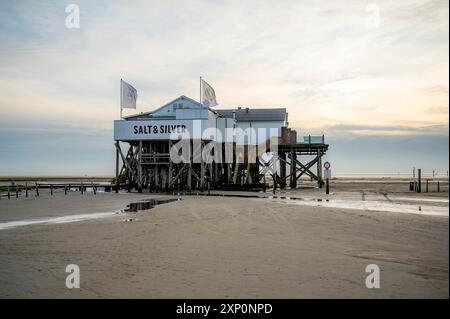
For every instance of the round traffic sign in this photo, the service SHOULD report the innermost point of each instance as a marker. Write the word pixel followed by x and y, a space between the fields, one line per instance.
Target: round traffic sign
pixel 327 165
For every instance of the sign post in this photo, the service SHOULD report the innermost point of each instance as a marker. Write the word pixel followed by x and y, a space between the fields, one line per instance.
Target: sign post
pixel 327 176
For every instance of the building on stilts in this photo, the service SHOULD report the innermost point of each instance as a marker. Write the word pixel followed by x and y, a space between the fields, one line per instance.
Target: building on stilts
pixel 184 145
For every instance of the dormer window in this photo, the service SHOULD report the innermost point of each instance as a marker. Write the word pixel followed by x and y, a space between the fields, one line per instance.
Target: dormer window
pixel 177 106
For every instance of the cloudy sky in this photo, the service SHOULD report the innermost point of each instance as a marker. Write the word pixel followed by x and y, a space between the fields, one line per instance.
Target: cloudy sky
pixel 371 75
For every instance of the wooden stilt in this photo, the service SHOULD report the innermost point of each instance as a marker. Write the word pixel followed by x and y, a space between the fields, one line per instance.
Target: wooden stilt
pixel 170 182
pixel 202 168
pixel 319 169
pixel 419 181
pixel 117 170
pixel 140 167
pixel 282 170
pixel 292 170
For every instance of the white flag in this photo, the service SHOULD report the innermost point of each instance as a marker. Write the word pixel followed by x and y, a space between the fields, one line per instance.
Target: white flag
pixel 129 96
pixel 208 95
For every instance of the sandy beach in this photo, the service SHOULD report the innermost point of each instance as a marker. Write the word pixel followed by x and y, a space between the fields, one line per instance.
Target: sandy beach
pixel 299 244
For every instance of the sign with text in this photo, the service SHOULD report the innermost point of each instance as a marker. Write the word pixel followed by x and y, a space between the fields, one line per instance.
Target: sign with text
pixel 156 129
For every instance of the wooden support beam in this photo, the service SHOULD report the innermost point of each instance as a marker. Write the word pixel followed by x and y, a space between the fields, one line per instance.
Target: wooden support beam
pixel 283 170
pixel 170 180
pixel 292 168
pixel 305 169
pixel 319 169
pixel 140 167
pixel 183 167
pixel 127 164
pixel 419 180
pixel 117 170
pixel 202 168
pixel 189 168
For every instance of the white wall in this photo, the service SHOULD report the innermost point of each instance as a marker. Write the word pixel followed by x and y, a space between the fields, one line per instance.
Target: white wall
pixel 258 131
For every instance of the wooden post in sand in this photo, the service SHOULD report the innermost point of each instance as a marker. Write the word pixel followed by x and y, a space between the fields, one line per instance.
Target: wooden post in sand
pixel 293 170
pixel 9 195
pixel 51 189
pixel 419 180
pixel 17 191
pixel 117 169
pixel 37 189
pixel 427 186
pixel 438 187
pixel 26 189
pixel 274 179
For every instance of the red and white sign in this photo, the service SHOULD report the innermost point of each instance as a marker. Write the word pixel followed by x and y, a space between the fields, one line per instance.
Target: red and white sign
pixel 327 165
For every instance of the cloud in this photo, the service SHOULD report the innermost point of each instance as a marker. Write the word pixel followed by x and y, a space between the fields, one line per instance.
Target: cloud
pixel 316 58
pixel 338 131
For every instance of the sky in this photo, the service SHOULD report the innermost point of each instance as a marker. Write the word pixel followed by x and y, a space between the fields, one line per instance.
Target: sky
pixel 373 76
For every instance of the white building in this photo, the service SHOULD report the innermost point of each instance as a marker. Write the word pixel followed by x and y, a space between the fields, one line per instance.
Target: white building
pixel 185 114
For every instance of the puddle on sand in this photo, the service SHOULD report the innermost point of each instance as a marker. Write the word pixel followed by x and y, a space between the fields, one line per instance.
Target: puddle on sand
pixel 368 205
pixel 55 220
pixel 147 204
pixel 131 208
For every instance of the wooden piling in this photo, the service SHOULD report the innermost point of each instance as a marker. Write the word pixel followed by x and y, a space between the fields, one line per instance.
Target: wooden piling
pixel 17 191
pixel 37 189
pixel 170 177
pixel 51 189
pixel 202 168
pixel 9 195
pixel 140 167
pixel 319 169
pixel 82 188
pixel 274 178
pixel 419 180
pixel 283 169
pixel 438 187
pixel 117 169
pixel 26 189
pixel 293 180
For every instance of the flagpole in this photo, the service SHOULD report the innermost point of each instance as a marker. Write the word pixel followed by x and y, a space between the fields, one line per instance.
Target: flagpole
pixel 121 98
pixel 200 90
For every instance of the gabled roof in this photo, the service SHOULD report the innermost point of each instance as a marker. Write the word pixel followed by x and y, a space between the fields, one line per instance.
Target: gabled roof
pixel 248 114
pixel 182 97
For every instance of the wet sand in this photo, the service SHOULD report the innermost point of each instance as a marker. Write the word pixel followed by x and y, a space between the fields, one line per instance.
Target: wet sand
pixel 226 247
